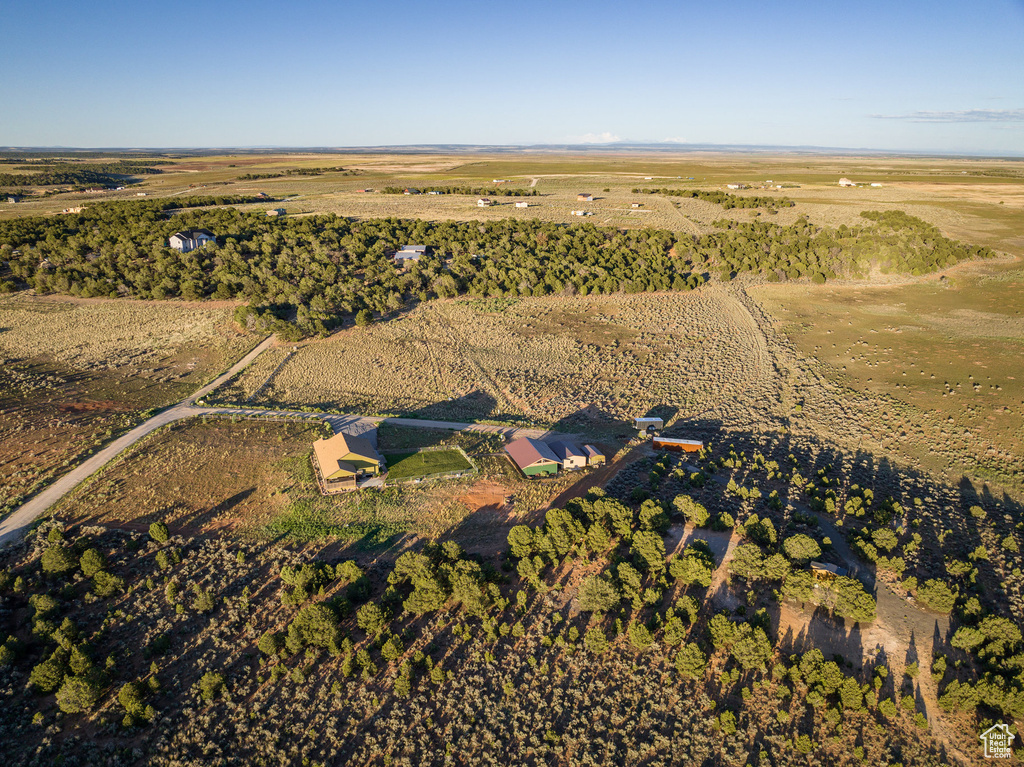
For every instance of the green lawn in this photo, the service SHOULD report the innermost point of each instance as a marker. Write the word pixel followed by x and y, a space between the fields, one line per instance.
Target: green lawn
pixel 410 465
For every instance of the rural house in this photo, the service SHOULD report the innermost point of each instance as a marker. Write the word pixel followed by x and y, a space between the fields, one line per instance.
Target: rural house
pixel 825 571
pixel 274 212
pixel 484 202
pixel 636 205
pixel 569 455
pixel 594 456
pixel 522 205
pixel 584 197
pixel 677 445
pixel 191 239
pixel 410 253
pixel 846 182
pixel 344 459
pixel 533 457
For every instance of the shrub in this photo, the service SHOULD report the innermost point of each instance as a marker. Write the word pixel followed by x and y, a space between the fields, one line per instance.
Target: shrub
pixel 639 636
pixel 211 685
pixel 596 595
pixel 106 585
pixel 595 640
pixel 690 661
pixel 158 532
pixel 58 559
pixel 91 562
pixel 937 596
pixel 79 693
pixel 801 548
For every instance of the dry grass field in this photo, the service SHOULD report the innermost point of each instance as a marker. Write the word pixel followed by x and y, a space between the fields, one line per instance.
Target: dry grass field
pixel 77 372
pixel 570 361
pixel 940 359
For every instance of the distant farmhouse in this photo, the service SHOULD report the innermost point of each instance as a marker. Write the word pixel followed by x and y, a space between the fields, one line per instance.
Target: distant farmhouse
pixel 410 253
pixel 275 212
pixel 636 205
pixel 846 182
pixel 344 459
pixel 584 197
pixel 581 213
pixel 522 205
pixel 191 239
pixel 484 202
pixel 735 186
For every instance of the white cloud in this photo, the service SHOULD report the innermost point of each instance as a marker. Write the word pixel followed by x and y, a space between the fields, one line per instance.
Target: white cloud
pixel 679 140
pixel 595 138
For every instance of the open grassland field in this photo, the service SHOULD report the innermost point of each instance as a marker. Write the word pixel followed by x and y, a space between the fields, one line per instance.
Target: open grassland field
pixel 943 358
pixel 255 479
pixel 977 200
pixel 76 373
pixel 574 362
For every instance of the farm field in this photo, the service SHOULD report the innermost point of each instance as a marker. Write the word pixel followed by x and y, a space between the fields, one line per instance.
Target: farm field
pixel 940 359
pixel 573 362
pixel 78 372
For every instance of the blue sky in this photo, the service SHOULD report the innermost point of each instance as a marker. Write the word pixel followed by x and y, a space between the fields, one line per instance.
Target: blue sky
pixel 905 75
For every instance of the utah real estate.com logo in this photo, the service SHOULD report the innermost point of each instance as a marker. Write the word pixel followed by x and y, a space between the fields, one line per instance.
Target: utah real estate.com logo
pixel 997 740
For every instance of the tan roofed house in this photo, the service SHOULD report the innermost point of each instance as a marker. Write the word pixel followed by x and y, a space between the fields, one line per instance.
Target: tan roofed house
pixel 345 458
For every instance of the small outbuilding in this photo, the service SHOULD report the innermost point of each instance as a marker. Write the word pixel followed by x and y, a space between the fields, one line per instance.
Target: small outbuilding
pixel 522 205
pixel 275 212
pixel 569 455
pixel 594 456
pixel 636 205
pixel 484 202
pixel 677 445
pixel 647 423
pixel 846 182
pixel 533 457
pixel 584 197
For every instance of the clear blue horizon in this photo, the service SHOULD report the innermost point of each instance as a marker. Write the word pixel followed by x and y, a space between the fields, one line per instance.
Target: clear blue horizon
pixel 911 76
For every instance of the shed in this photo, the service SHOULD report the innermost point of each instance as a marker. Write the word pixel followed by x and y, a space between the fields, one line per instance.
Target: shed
pixel 584 197
pixel 636 205
pixel 522 205
pixel 273 212
pixel 484 202
pixel 533 457
pixel 570 456
pixel 676 444
pixel 594 456
pixel 846 182
pixel 411 190
pixel 645 423
pixel 410 253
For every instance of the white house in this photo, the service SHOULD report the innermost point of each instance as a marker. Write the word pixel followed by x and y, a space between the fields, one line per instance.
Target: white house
pixel 191 239
pixel 569 455
pixel 846 182
pixel 584 197
pixel 581 213
pixel 484 202
pixel 735 186
pixel 876 184
pixel 410 253
pixel 522 205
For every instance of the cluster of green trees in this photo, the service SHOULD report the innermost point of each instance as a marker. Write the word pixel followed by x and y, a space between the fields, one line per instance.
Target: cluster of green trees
pixel 476 191
pixel 293 172
pixel 83 174
pixel 315 271
pixel 724 199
